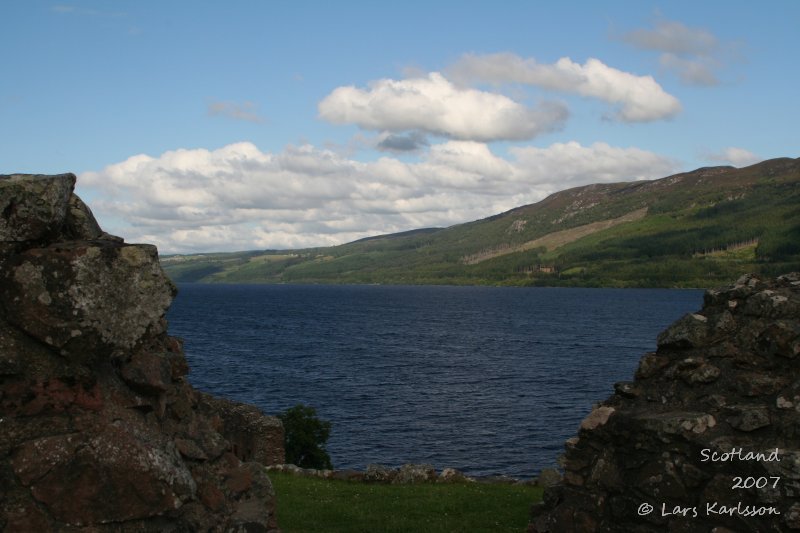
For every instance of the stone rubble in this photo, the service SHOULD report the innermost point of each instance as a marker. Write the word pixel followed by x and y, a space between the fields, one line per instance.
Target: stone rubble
pixel 407 474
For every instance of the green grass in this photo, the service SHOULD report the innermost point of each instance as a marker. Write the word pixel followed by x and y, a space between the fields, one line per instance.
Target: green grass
pixel 313 505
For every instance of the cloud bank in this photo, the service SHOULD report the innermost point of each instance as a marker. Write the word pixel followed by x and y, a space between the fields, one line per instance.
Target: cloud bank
pixel 238 197
pixel 639 98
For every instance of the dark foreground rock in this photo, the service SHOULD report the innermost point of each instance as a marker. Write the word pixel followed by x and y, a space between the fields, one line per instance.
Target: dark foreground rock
pixel 99 428
pixel 707 436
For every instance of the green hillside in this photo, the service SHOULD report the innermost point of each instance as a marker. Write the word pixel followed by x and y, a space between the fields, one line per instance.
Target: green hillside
pixel 695 229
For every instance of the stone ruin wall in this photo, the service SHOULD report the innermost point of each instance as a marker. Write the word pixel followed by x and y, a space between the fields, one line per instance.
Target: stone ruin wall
pixel 99 427
pixel 724 380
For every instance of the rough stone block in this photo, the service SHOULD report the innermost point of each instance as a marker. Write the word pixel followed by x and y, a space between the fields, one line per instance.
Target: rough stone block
pixel 87 297
pixel 33 207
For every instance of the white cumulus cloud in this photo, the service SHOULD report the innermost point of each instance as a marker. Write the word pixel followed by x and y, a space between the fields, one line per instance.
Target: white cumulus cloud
pixel 640 98
pixel 240 198
pixel 434 105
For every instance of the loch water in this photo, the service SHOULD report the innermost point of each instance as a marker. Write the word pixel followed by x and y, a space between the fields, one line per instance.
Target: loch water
pixel 488 380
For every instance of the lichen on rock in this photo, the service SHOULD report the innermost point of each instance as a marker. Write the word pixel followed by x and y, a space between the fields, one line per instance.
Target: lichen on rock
pixel 87 296
pixel 99 429
pixel 33 207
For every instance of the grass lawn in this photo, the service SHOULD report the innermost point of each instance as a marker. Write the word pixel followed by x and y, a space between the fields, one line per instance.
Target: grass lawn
pixel 318 505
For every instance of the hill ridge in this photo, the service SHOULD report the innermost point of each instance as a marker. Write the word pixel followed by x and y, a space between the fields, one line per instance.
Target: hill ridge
pixel 684 213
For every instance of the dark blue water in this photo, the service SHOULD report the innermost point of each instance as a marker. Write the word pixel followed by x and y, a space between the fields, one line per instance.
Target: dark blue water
pixel 487 380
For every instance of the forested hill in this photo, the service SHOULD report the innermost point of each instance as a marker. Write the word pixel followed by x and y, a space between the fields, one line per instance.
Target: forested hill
pixel 695 229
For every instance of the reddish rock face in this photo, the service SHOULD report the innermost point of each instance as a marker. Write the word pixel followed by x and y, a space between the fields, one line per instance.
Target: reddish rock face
pixel 725 380
pixel 99 429
pixel 111 475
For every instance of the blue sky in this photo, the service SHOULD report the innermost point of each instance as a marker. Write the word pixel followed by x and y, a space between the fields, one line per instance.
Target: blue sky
pixel 205 126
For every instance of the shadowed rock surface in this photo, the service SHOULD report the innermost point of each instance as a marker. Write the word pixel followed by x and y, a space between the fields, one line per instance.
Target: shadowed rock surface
pixel 99 428
pixel 253 436
pixel 725 380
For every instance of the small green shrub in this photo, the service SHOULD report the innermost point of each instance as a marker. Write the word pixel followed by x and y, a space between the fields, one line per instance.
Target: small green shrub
pixel 305 436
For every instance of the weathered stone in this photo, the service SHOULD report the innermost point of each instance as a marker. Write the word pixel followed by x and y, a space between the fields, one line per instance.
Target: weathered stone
pixel 691 330
pixel 99 429
pixel 792 519
pixel 347 474
pixel 379 474
pixel 788 469
pixel 148 372
pixel 24 516
pixel 415 473
pixel 451 475
pixel 605 471
pixel 784 403
pixel 255 509
pixel 773 303
pixel 705 373
pixel 211 496
pixel 33 207
pixel 239 479
pixel 724 381
pixel 726 323
pixel 573 478
pixel 693 476
pixel 287 468
pixel 548 477
pixel 80 222
pixel 749 418
pixel 758 383
pixel 87 297
pixel 650 364
pixel 253 435
pixel 781 338
pixel 179 367
pixel 73 476
pixel 598 417
pixel 677 423
pixel 54 396
pixel 190 449
pixel 627 389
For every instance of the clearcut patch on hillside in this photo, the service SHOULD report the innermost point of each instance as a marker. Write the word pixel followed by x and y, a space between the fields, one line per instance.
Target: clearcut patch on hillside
pixel 556 239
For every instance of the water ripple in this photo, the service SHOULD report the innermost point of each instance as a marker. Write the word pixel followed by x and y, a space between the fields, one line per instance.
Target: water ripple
pixel 488 380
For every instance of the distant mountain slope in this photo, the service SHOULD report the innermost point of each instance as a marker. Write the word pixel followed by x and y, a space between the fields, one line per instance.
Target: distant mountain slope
pixel 696 229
